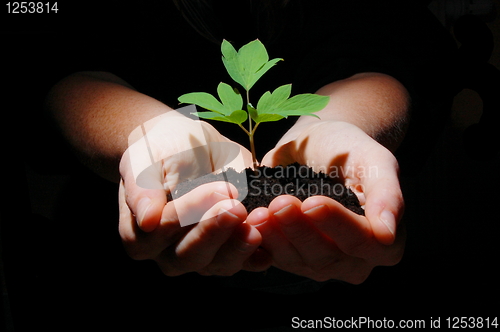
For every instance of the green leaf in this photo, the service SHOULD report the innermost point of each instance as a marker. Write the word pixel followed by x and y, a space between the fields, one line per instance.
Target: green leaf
pixel 230 60
pixel 303 104
pixel 236 117
pixel 204 100
pixel 268 118
pixel 248 64
pixel 231 98
pixel 268 65
pixel 272 101
pixel 252 57
pixel 276 105
pixel 208 115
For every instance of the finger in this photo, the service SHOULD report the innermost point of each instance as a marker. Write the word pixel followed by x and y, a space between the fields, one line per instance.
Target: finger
pixel 233 254
pixel 316 250
pixel 199 246
pixel 283 252
pixel 259 261
pixel 312 254
pixel 145 204
pixel 282 155
pixel 141 245
pixel 273 240
pixel 351 233
pixel 130 233
pixel 127 225
pixel 258 218
pixel 384 200
pixel 287 257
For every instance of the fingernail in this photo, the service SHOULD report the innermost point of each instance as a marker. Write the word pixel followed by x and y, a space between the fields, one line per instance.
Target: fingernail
pixel 142 208
pixel 226 219
pixel 282 212
pixel 313 212
pixel 260 224
pixel 221 195
pixel 388 219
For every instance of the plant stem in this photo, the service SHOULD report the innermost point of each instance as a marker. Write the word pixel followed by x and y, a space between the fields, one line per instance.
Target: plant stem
pixel 255 128
pixel 250 132
pixel 252 150
pixel 249 117
pixel 244 129
pixel 252 147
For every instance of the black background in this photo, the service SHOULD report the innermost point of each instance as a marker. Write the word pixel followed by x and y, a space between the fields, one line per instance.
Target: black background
pixel 69 271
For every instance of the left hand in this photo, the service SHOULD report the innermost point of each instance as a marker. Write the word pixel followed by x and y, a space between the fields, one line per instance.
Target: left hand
pixel 319 238
pixel 204 230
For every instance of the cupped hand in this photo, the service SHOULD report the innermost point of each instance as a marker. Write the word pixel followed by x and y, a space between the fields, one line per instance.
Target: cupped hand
pixel 319 238
pixel 202 231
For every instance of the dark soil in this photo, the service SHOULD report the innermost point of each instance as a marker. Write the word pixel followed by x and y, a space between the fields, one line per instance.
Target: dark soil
pixel 266 183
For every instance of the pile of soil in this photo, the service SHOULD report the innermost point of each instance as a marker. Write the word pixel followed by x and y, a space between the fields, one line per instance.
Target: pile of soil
pixel 266 183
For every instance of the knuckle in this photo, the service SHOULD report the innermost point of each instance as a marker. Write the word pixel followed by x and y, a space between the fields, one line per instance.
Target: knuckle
pixel 187 264
pixel 321 277
pixel 137 252
pixel 298 235
pixel 358 278
pixel 394 258
pixel 169 271
pixel 358 247
pixel 207 232
pixel 390 255
pixel 325 265
pixel 135 249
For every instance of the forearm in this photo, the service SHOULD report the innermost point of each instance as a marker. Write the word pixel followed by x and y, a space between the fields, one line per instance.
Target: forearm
pixel 96 112
pixel 376 103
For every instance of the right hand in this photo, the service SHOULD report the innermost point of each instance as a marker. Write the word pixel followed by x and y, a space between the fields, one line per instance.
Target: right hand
pixel 164 152
pixel 319 238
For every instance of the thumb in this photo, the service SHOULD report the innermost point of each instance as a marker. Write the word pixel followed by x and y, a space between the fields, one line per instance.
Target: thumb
pixel 384 203
pixel 144 195
pixel 281 155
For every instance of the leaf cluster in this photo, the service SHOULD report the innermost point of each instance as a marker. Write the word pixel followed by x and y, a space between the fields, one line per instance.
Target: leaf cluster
pixel 246 67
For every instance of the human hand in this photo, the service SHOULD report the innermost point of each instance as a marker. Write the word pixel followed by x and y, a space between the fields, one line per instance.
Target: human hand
pixel 162 153
pixel 319 238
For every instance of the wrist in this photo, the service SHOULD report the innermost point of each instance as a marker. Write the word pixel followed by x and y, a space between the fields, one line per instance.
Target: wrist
pixel 376 103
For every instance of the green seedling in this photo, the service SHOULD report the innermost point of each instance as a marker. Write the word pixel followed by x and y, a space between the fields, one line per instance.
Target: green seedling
pixel 246 67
